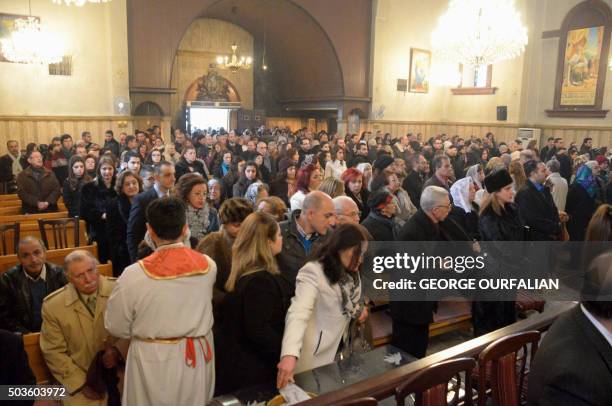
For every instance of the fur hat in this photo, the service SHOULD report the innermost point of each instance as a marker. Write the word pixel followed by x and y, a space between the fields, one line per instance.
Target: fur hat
pixel 498 180
pixel 382 162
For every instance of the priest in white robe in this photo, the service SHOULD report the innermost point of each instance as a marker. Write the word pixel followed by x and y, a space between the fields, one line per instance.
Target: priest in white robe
pixel 163 304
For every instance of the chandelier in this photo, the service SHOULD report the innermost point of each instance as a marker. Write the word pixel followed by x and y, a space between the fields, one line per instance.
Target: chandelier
pixel 479 32
pixel 79 3
pixel 233 62
pixel 30 44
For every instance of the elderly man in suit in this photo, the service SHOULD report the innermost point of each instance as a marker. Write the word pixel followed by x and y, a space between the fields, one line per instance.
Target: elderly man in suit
pixel 24 286
pixel 411 319
pixel 73 330
pixel 38 188
pixel 136 229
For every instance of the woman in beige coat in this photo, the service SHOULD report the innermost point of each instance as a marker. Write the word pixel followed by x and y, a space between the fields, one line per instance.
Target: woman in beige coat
pixel 327 297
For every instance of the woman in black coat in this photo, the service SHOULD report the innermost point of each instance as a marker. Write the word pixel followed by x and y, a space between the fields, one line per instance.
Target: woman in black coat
pixel 189 164
pixel 284 186
pixel 247 177
pixel 252 323
pixel 499 221
pixel 73 185
pixel 581 203
pixel 379 222
pixel 128 185
pixel 95 197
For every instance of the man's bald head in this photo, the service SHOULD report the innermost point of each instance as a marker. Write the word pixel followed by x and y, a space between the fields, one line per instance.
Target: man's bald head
pixel 347 210
pixel 318 211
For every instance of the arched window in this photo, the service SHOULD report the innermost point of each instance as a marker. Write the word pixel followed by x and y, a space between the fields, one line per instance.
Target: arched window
pixel 148 109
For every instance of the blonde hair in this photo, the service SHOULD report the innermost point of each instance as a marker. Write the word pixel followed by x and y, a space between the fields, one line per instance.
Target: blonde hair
pixel 332 187
pixel 251 251
pixel 518 174
pixel 491 199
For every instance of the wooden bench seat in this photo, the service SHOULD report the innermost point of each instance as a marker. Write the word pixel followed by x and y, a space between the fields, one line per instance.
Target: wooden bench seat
pixel 55 256
pixel 13 200
pixel 32 218
pixel 32 229
pixel 451 316
pixel 31 343
pixel 15 209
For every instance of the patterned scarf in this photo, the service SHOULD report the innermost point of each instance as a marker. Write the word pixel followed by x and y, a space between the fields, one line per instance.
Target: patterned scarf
pixel 198 220
pixel 350 288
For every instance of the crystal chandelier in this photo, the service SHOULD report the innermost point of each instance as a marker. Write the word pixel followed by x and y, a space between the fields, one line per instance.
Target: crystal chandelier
pixel 233 62
pixel 29 44
pixel 79 3
pixel 479 32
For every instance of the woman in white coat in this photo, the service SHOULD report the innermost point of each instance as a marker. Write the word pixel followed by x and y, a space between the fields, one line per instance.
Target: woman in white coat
pixel 327 297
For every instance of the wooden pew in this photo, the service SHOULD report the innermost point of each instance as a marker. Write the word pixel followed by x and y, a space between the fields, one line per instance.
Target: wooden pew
pixel 9 198
pixel 55 256
pixel 32 229
pixel 13 200
pixel 32 218
pixel 451 316
pixel 383 386
pixel 15 210
pixel 31 343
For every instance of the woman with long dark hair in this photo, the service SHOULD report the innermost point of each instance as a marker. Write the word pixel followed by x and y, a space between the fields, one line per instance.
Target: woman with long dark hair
pixel 127 186
pixel 285 184
pixel 95 198
pixel 327 299
pixel 249 175
pixel 253 321
pixel 74 185
pixel 337 165
pixel 202 219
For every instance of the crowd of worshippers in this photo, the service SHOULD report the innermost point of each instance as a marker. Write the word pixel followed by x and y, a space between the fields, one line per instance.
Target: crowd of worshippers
pixel 283 219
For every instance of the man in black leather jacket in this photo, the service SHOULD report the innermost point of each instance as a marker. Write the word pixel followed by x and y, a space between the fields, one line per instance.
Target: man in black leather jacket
pixel 23 287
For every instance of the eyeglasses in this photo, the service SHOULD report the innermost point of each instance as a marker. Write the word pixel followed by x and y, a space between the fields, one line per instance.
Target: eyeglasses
pixel 448 207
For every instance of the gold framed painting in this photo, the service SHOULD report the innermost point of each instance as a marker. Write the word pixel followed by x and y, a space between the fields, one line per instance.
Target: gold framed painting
pixel 581 66
pixel 420 63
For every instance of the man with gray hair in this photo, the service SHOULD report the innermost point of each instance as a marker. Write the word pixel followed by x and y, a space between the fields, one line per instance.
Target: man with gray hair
pixel 24 286
pixel 347 210
pixel 305 228
pixel 411 319
pixel 73 330
pixel 558 184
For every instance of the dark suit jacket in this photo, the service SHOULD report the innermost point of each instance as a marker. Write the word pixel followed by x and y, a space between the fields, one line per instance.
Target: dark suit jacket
pixel 16 312
pixel 573 365
pixel 6 168
pixel 136 228
pixel 434 181
pixel 420 228
pixel 537 210
pixel 413 184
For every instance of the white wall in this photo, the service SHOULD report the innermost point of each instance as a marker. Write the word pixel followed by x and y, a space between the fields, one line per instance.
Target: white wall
pixel 525 84
pixel 96 36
